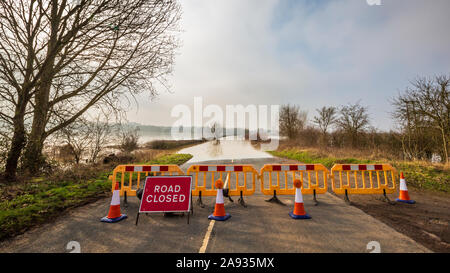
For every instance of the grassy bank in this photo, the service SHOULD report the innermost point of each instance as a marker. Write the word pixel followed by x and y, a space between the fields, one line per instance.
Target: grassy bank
pixel 420 175
pixel 36 201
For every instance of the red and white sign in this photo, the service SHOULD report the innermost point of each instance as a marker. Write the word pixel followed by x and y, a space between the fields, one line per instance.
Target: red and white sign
pixel 166 194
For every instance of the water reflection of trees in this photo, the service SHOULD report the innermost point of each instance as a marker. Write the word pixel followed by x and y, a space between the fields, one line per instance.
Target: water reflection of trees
pixel 214 149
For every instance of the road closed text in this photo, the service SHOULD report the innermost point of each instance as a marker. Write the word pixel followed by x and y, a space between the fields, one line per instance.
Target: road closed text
pixel 166 194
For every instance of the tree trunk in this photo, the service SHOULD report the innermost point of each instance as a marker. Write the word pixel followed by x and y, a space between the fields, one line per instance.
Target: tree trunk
pixel 444 143
pixel 18 141
pixel 33 159
pixel 17 145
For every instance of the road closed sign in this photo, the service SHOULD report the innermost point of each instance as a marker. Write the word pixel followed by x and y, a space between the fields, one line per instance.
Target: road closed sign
pixel 166 194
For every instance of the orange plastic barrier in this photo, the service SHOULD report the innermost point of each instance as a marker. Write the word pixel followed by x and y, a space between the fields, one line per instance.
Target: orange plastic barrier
pixel 241 180
pixel 363 179
pixel 314 178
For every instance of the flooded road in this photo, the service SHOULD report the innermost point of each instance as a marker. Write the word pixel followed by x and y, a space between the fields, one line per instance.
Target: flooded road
pixel 224 150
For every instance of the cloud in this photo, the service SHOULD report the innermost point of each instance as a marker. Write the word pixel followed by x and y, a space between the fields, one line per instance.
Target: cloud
pixel 311 53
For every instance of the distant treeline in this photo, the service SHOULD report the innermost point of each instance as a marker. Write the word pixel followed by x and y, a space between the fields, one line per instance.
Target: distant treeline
pixel 421 112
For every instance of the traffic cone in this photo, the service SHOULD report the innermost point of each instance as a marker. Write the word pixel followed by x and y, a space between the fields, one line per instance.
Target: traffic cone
pixel 299 209
pixel 404 195
pixel 219 211
pixel 114 214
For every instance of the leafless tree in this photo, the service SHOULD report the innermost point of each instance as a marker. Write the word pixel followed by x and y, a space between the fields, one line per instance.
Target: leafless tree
pixel 60 58
pixel 326 117
pixel 101 136
pixel 353 119
pixel 423 111
pixel 292 120
pixel 77 137
pixel 129 139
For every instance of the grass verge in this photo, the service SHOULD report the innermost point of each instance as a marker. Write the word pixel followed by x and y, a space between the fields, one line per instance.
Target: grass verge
pixel 36 201
pixel 421 175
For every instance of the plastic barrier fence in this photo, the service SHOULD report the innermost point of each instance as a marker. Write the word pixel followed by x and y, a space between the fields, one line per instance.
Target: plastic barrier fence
pixel 363 179
pixel 278 179
pixel 131 177
pixel 240 180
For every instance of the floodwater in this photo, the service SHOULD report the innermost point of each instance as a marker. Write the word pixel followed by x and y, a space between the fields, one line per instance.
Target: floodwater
pixel 224 150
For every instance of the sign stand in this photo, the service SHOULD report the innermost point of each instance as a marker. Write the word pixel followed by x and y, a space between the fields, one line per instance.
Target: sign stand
pixel 191 211
pixel 160 193
pixel 137 218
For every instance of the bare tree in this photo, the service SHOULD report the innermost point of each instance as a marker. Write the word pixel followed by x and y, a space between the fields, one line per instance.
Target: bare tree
pixel 60 58
pixel 354 118
pixel 423 110
pixel 77 137
pixel 101 135
pixel 129 140
pixel 292 120
pixel 326 117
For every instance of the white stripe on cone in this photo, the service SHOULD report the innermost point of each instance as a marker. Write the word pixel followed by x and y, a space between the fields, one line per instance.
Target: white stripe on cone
pixel 115 198
pixel 219 197
pixel 403 185
pixel 298 195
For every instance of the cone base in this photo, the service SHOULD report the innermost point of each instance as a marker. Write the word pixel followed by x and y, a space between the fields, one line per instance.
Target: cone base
pixel 219 218
pixel 294 216
pixel 406 201
pixel 113 220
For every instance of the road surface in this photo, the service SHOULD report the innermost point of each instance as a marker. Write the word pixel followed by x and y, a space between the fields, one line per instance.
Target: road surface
pixel 261 227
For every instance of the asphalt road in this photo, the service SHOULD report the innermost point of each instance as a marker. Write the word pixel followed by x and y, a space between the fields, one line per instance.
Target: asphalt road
pixel 260 227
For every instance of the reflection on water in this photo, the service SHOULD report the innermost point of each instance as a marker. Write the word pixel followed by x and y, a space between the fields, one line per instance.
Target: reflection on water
pixel 214 148
pixel 224 150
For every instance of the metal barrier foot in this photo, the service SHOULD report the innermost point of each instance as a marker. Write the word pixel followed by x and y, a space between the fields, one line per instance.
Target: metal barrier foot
pixel 275 199
pixel 386 198
pixel 192 206
pixel 225 194
pixel 241 201
pixel 316 203
pixel 125 200
pixel 347 200
pixel 199 201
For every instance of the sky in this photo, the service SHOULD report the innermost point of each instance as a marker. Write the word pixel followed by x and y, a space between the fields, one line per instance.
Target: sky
pixel 312 53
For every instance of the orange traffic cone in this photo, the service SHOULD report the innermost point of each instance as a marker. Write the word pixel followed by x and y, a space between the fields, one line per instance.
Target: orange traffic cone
pixel 219 211
pixel 404 195
pixel 299 209
pixel 114 214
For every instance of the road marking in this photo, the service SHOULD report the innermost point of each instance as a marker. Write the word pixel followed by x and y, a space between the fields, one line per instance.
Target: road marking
pixel 207 236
